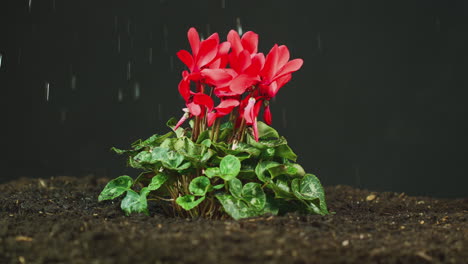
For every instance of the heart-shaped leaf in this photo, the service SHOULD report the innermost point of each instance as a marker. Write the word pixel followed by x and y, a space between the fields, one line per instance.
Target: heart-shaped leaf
pixel 115 188
pixel 199 186
pixel 135 203
pixel 188 201
pixel 229 167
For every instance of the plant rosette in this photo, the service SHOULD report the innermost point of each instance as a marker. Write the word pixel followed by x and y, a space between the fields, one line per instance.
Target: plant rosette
pixel 225 162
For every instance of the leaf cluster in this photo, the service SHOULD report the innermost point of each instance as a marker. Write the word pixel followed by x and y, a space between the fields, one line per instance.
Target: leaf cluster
pixel 247 179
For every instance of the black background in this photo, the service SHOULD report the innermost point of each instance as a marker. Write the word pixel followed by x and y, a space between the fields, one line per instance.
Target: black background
pixel 380 102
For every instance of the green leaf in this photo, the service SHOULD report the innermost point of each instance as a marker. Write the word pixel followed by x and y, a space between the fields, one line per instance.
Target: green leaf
pixel 199 186
pixel 203 136
pixel 229 167
pixel 171 123
pixel 235 187
pixel 157 181
pixel 266 131
pixel 121 151
pixel 153 141
pixel 262 170
pixel 281 169
pixel 285 151
pixel 115 188
pixel 271 206
pixel 135 203
pixel 188 202
pixel 219 186
pixel 212 172
pixel 206 142
pixel 253 193
pixel 236 208
pixel 280 186
pixel 309 188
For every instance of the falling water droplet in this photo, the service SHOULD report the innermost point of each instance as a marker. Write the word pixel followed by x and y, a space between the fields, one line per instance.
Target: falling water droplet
pixel 136 91
pixel 53 5
pixel 284 117
pixel 129 70
pixel 159 112
pixel 73 82
pixel 239 26
pixel 47 91
pixel 165 34
pixel 63 115
pixel 1 56
pixel 171 63
pixel 129 24
pixel 319 43
pixel 29 6
pixel 223 3
pixel 120 95
pixel 150 55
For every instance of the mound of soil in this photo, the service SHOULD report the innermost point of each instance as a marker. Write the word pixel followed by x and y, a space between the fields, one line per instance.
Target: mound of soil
pixel 59 220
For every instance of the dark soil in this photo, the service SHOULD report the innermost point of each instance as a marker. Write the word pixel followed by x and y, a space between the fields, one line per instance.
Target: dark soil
pixel 60 221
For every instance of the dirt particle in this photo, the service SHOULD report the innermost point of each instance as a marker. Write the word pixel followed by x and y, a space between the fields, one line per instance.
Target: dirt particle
pixel 370 197
pixel 21 260
pixel 345 243
pixel 23 239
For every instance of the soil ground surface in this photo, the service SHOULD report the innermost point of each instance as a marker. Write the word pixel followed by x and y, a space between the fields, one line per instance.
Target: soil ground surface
pixel 59 220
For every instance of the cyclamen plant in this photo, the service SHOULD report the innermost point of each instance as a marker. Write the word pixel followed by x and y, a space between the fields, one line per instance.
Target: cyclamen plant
pixel 225 162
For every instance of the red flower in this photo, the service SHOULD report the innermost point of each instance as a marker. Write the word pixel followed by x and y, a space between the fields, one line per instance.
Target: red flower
pixel 277 70
pixel 197 105
pixel 207 60
pixel 249 109
pixel 245 63
pixel 224 108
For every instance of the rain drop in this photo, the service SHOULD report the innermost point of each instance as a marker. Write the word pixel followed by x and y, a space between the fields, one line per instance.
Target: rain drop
pixel 129 70
pixel 171 63
pixel 150 55
pixel 53 5
pixel 118 43
pixel 223 3
pixel 47 91
pixel 284 117
pixel 29 5
pixel 239 26
pixel 136 91
pixel 73 82
pixel 1 56
pixel 63 115
pixel 120 95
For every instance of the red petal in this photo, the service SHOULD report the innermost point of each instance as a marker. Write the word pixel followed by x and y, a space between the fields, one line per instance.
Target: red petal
pixel 211 117
pixel 290 67
pixel 255 129
pixel 270 67
pixel 216 77
pixel 194 109
pixel 194 41
pixel 244 61
pixel 272 90
pixel 249 111
pixel 186 58
pixel 267 115
pixel 184 89
pixel 207 52
pixel 256 65
pixel 242 82
pixel 283 80
pixel 226 106
pixel 203 99
pixel 214 36
pixel 283 56
pixel 181 121
pixel 234 39
pixel 250 42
